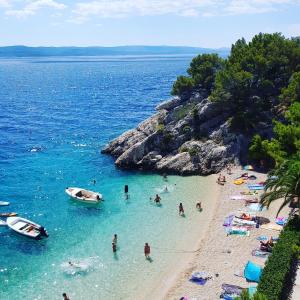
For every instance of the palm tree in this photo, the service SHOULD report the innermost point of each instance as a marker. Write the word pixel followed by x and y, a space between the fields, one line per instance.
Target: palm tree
pixel 284 183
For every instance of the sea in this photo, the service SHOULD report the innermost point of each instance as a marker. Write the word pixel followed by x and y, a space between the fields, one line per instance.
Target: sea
pixel 55 116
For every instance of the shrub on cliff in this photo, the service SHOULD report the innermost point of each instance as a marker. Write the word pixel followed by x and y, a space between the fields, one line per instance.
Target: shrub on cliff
pixel 202 72
pixel 254 75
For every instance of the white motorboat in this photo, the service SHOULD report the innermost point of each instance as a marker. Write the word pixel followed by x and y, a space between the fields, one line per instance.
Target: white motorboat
pixel 3 203
pixel 84 195
pixel 26 227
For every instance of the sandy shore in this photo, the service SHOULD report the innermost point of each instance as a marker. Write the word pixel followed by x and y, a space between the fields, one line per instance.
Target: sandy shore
pixel 218 253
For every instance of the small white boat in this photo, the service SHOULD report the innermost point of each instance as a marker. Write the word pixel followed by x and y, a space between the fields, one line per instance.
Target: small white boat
pixel 26 227
pixel 3 203
pixel 2 223
pixel 84 195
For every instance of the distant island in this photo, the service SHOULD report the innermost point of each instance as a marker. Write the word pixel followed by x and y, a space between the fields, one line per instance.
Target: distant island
pixel 24 51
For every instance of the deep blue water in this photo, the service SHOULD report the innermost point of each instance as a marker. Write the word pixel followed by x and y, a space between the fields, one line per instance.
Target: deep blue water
pixel 55 115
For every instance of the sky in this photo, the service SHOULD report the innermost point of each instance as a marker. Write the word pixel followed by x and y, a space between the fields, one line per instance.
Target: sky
pixel 201 23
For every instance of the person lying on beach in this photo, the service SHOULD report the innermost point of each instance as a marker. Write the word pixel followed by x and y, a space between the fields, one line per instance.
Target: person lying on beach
pixel 246 217
pixel 267 246
pixel 219 180
pixel 157 199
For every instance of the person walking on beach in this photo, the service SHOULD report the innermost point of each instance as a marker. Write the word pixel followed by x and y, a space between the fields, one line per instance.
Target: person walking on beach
pixel 181 210
pixel 147 250
pixel 65 296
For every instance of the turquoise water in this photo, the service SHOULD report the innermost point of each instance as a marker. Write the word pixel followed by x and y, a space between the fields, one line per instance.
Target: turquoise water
pixel 55 117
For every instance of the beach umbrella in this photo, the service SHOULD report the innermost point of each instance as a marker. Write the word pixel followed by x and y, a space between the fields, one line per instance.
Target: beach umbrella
pixel 252 272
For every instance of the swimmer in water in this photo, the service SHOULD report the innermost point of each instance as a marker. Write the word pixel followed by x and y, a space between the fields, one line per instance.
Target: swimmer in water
pixel 166 189
pixel 157 199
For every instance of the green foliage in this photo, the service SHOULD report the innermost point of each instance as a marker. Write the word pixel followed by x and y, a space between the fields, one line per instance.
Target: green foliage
pixel 286 141
pixel 183 149
pixel 202 71
pixel 167 137
pixel 160 127
pixel 193 152
pixel 254 75
pixel 279 267
pixel 183 85
pixel 183 111
pixel 186 129
pixel 291 93
pixel 283 183
pixel 245 296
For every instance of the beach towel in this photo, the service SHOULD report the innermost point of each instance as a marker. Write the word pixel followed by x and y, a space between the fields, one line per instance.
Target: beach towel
pixel 281 220
pixel 200 281
pixel 238 221
pixel 271 226
pixel 256 207
pixel 255 187
pixel 238 231
pixel 252 272
pixel 232 289
pixel 200 277
pixel 238 197
pixel 259 253
pixel 228 220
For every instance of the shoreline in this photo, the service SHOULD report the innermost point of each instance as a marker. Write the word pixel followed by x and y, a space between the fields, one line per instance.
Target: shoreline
pixel 218 253
pixel 166 283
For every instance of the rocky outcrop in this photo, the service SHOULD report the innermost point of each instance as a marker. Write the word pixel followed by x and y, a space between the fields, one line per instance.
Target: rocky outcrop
pixel 185 136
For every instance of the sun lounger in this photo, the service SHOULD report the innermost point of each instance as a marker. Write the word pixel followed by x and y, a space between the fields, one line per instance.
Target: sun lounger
pixel 259 253
pixel 271 226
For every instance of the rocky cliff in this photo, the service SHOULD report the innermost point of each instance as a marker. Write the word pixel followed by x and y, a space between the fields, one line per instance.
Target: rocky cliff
pixel 185 136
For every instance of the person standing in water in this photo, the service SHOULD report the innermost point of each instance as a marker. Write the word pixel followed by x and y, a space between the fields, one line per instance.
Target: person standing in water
pixel 181 210
pixel 199 206
pixel 65 296
pixel 115 239
pixel 157 199
pixel 147 250
pixel 114 247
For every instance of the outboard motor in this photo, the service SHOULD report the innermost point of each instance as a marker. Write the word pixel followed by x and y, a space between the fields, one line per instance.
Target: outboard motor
pixel 44 232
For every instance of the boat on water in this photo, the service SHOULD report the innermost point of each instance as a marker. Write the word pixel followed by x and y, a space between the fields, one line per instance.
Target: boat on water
pixel 26 227
pixel 3 203
pixel 8 214
pixel 84 195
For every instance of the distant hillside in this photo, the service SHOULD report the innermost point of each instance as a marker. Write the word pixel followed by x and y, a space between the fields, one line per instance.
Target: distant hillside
pixel 24 51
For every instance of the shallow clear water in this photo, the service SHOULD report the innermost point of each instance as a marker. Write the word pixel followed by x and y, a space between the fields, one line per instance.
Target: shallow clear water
pixel 55 115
